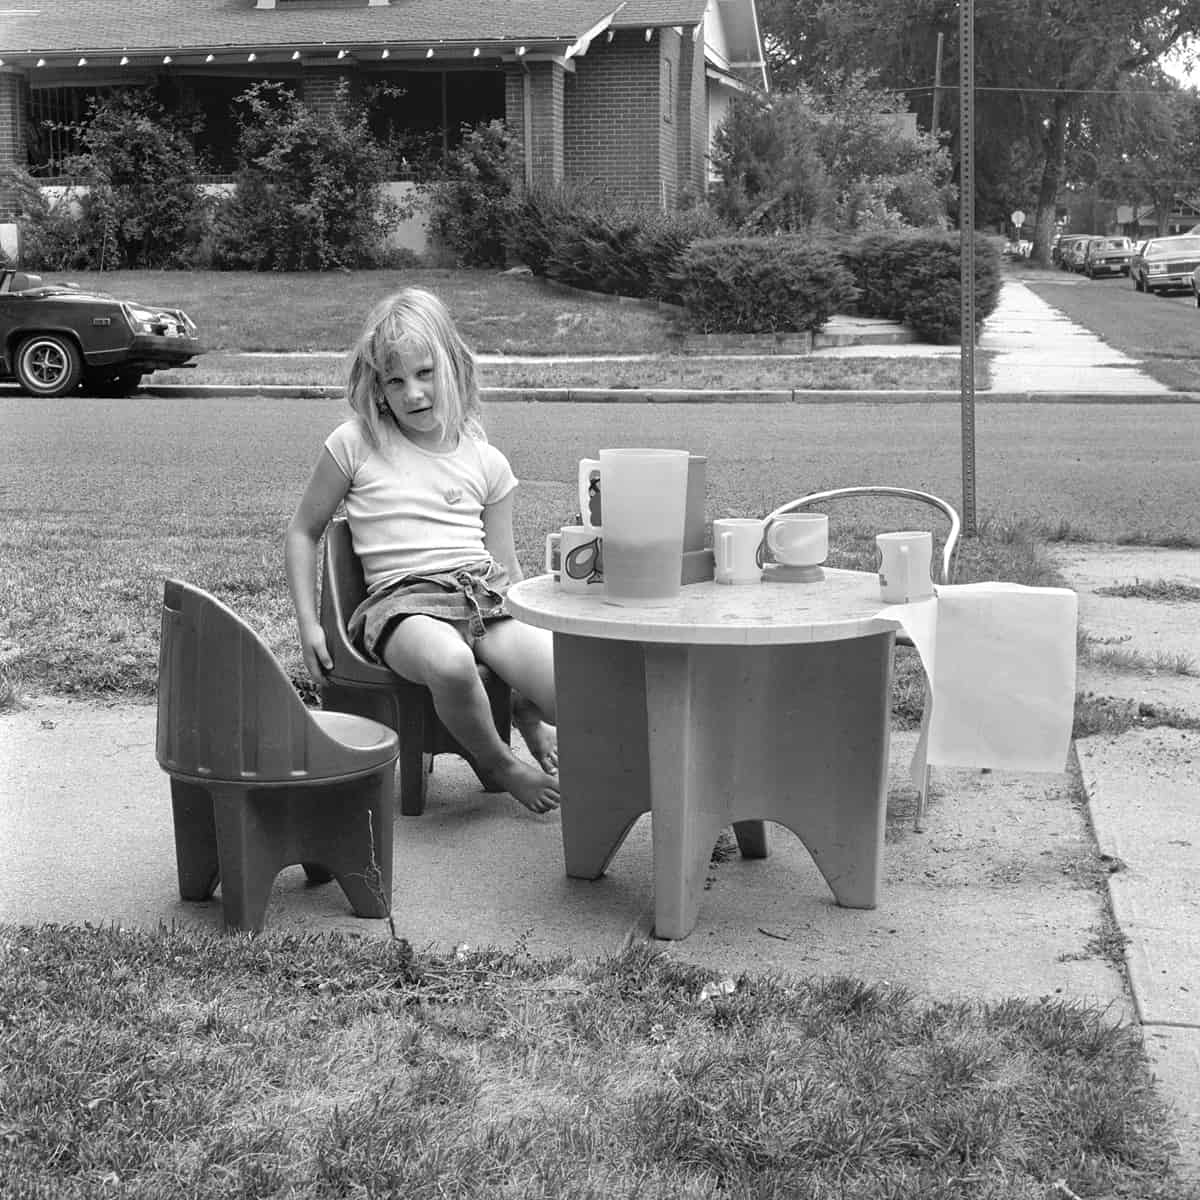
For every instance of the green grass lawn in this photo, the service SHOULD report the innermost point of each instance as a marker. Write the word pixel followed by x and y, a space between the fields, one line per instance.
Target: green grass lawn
pixel 176 1064
pixel 498 314
pixel 672 371
pixel 101 500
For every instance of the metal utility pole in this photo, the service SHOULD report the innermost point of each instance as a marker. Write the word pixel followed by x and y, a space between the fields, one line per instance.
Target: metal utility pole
pixel 966 230
pixel 935 115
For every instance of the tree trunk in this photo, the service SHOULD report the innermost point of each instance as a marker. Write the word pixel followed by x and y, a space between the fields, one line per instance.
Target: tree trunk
pixel 1054 145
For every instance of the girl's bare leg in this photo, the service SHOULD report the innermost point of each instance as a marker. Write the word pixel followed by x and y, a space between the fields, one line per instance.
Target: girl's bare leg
pixel 524 658
pixel 433 653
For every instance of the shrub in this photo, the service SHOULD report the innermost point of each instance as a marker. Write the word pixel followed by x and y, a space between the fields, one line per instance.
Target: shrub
pixel 143 204
pixel 782 284
pixel 51 236
pixel 471 197
pixel 310 192
pixel 916 277
pixel 771 175
pixel 136 200
pixel 577 237
pixel 535 218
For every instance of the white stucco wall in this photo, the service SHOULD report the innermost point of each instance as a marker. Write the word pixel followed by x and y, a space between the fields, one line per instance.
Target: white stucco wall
pixel 411 234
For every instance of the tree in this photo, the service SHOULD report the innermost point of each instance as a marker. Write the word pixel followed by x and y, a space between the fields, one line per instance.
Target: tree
pixel 1142 147
pixel 845 160
pixel 772 177
pixel 142 206
pixel 1039 65
pixel 309 186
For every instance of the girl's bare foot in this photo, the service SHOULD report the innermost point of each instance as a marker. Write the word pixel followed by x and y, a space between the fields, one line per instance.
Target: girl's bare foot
pixel 533 788
pixel 539 737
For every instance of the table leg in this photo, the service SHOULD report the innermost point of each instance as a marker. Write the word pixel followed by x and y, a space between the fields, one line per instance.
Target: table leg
pixel 792 734
pixel 604 771
pixel 687 816
pixel 722 735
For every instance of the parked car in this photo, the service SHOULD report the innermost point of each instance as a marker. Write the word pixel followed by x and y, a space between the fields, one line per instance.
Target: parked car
pixel 1063 248
pixel 1107 256
pixel 1196 285
pixel 1075 252
pixel 1166 264
pixel 54 337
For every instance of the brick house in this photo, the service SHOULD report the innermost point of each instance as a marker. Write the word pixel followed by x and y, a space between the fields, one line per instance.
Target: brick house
pixel 620 93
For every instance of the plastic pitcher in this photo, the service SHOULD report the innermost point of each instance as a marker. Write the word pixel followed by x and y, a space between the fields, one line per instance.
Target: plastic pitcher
pixel 645 504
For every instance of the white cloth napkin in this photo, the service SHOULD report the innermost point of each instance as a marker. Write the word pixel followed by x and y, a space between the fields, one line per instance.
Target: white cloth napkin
pixel 1000 661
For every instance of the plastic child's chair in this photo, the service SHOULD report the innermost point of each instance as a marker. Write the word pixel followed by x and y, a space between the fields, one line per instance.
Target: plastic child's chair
pixel 357 685
pixel 945 575
pixel 258 780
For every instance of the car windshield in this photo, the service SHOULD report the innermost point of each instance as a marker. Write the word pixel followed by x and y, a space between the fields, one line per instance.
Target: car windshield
pixel 1173 248
pixel 1115 244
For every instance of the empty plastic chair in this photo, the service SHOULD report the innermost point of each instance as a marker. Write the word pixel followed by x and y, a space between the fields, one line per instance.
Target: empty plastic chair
pixel 258 780
pixel 357 685
pixel 945 575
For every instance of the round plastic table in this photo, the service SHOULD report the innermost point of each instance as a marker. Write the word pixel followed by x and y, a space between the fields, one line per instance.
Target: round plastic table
pixel 730 705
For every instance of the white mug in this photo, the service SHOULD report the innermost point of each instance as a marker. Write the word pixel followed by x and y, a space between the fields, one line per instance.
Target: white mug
pixel 799 539
pixel 904 561
pixel 589 492
pixel 737 550
pixel 575 557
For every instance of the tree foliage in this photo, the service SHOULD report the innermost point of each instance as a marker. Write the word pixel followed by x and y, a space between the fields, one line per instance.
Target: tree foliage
pixel 309 186
pixel 1039 67
pixel 800 159
pixel 139 199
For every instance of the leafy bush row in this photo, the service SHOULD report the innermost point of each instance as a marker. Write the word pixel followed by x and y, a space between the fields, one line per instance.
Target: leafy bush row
pixel 916 277
pixel 782 284
pixel 482 215
pixel 309 194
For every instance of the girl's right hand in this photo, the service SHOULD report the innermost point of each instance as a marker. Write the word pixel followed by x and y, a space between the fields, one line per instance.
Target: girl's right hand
pixel 316 653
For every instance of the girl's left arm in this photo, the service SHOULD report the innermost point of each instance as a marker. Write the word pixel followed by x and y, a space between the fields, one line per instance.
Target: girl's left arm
pixel 498 535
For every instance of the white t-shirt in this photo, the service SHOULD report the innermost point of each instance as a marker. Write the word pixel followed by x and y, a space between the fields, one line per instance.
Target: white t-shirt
pixel 414 512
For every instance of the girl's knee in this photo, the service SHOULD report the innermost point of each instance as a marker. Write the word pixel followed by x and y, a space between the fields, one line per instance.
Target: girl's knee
pixel 452 667
pixel 430 652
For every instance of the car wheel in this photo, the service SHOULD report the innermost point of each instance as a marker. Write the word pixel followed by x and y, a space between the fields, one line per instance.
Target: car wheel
pixel 48 364
pixel 114 383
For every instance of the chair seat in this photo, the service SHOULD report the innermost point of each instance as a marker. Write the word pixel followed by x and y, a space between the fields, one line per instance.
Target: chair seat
pixel 378 743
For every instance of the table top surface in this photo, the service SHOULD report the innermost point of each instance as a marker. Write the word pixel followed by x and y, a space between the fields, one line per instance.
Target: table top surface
pixel 842 605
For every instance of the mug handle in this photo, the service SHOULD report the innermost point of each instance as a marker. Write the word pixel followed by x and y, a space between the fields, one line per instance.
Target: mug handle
pixel 553 553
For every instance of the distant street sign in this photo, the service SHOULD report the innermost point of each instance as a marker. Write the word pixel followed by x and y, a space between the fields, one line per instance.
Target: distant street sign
pixel 1018 218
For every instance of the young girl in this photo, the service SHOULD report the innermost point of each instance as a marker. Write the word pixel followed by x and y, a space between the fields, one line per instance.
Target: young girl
pixel 430 507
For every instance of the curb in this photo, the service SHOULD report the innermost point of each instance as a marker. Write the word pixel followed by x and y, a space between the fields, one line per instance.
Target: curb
pixel 692 396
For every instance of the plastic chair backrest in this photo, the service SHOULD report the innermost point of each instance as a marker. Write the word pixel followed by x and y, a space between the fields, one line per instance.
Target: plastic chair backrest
pixel 949 550
pixel 343 588
pixel 226 708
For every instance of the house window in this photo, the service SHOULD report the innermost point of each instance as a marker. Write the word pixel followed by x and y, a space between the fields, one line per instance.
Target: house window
pixel 420 114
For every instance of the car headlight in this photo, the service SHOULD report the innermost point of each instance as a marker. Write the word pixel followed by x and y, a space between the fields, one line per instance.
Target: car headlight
pixel 141 320
pixel 1157 268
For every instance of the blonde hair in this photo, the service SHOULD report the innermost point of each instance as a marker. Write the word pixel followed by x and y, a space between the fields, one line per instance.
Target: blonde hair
pixel 414 319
